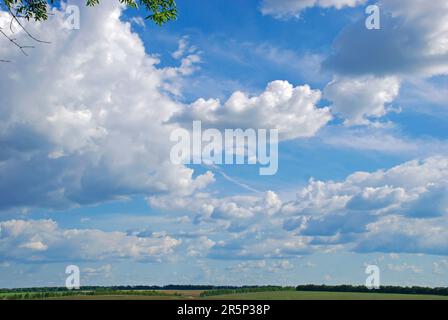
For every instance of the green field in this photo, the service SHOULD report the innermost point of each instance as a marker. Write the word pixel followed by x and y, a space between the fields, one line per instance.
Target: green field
pixel 297 295
pixel 196 295
pixel 164 295
pixel 275 295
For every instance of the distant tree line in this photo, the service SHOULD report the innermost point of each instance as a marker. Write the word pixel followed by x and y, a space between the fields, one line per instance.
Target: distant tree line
pixel 122 288
pixel 40 295
pixel 67 293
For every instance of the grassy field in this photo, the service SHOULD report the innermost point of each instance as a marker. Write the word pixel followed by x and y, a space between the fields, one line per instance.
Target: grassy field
pixel 277 295
pixel 297 295
pixel 164 295
pixel 270 295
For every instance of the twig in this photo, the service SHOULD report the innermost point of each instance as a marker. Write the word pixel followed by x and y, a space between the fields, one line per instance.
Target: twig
pixel 24 29
pixel 14 42
pixel 22 48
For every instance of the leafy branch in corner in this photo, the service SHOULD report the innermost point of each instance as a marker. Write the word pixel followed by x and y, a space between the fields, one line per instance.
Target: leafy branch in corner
pixel 158 11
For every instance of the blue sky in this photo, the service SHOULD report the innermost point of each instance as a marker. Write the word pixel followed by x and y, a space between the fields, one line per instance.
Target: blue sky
pixel 85 172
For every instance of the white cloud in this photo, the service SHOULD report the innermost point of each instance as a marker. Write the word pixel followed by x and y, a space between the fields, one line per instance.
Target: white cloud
pixel 291 110
pixel 207 206
pixel 184 48
pixel 139 21
pixel 402 209
pixel 96 128
pixel 93 124
pixel 410 46
pixel 413 40
pixel 200 247
pixel 293 8
pixel 405 235
pixel 359 99
pixel 34 246
pixel 398 189
pixel 83 119
pixel 45 241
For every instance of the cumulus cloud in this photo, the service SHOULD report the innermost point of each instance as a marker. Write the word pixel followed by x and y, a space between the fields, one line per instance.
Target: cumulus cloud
pixel 402 209
pixel 94 122
pixel 401 234
pixel 91 124
pixel 293 8
pixel 45 241
pixel 200 247
pixel 381 191
pixel 358 99
pixel 370 65
pixel 248 226
pixel 413 40
pixel 291 110
pixel 207 206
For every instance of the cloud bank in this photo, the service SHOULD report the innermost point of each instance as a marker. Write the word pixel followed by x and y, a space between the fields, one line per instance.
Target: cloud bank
pixel 382 211
pixel 44 241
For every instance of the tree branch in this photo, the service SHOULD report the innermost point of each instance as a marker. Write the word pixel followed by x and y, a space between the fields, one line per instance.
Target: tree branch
pixel 14 42
pixel 14 18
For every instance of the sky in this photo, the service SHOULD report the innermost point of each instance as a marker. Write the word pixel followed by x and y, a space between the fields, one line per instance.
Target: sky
pixel 85 124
